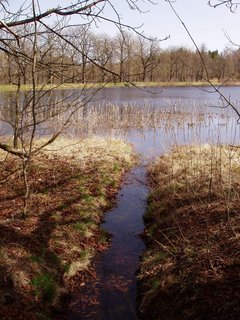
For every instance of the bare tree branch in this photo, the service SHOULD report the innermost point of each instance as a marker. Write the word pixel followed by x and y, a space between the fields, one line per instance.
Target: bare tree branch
pixel 16 152
pixel 207 78
pixel 230 4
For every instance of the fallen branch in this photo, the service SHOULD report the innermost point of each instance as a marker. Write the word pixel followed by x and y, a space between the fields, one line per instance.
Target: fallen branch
pixel 17 152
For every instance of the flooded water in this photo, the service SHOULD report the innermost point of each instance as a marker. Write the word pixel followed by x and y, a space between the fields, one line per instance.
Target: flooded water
pixel 153 123
pixel 117 266
pixel 163 97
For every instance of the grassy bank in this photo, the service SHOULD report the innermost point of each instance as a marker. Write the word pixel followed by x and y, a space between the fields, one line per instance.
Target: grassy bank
pixel 49 255
pixel 191 267
pixel 70 86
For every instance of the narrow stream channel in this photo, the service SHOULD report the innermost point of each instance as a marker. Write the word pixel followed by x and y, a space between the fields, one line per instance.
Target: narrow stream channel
pixel 116 268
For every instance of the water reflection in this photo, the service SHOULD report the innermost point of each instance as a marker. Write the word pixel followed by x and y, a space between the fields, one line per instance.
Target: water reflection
pixel 177 96
pixel 119 110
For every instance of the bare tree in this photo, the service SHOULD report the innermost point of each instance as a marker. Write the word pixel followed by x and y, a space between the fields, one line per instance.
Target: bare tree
pixel 123 45
pixel 30 39
pixel 226 101
pixel 37 32
pixel 103 55
pixel 148 56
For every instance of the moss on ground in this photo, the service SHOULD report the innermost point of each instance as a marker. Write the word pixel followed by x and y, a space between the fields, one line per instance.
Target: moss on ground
pixel 191 266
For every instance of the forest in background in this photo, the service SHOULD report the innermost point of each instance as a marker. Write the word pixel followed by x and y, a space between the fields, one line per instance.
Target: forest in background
pixel 82 56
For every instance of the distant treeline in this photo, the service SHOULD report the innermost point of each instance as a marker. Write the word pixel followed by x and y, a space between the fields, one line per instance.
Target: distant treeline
pixel 83 57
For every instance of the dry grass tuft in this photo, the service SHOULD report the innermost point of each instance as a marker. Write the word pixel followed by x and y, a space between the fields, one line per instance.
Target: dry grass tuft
pixel 203 168
pixel 80 265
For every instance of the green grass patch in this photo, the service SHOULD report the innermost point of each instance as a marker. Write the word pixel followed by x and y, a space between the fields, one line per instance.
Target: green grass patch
pixel 104 236
pixel 44 287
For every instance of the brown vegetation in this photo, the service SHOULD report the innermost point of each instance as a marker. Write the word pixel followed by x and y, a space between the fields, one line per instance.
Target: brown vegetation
pixel 191 267
pixel 48 255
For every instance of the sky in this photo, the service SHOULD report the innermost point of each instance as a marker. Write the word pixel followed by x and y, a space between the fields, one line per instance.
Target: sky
pixel 206 24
